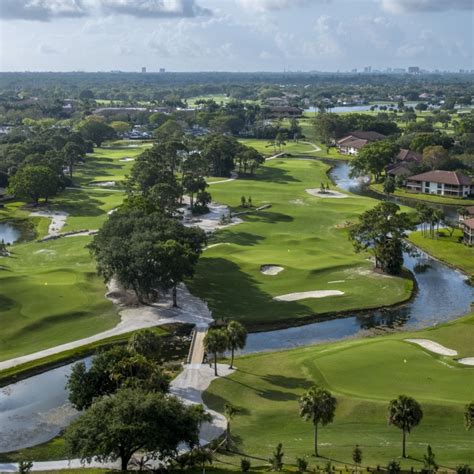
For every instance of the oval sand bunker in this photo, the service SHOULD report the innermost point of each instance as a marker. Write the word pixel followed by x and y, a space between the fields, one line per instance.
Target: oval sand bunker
pixel 308 294
pixel 271 270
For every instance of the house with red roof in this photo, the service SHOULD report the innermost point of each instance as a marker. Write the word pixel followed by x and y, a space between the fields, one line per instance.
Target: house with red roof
pixel 442 183
pixel 352 143
pixel 467 227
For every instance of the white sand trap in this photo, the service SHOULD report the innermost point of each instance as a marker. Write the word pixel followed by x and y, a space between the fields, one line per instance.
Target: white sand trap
pixel 433 347
pixel 58 219
pixel 103 184
pixel 336 281
pixel 326 194
pixel 466 361
pixel 271 270
pixel 308 294
pixel 127 159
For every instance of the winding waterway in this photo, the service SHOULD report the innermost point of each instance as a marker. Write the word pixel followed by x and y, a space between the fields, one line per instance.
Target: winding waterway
pixel 36 409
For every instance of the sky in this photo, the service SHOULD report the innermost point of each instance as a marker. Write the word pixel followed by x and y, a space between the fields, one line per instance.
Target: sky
pixel 235 35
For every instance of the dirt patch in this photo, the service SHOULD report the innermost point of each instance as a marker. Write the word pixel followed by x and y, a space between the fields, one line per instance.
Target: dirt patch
pixel 271 270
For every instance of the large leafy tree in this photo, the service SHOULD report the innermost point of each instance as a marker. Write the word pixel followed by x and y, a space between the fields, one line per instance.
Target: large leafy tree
pixel 146 251
pixel 318 406
pixel 381 231
pixel 117 426
pixel 146 343
pixel 219 151
pixel 34 182
pixel 405 413
pixel 236 338
pixel 96 131
pixel 111 370
pixel 216 342
pixel 374 157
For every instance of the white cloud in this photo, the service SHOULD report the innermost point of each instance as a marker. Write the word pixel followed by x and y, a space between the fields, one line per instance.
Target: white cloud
pixel 155 8
pixel 48 49
pixel 46 10
pixel 273 5
pixel 41 10
pixel 413 6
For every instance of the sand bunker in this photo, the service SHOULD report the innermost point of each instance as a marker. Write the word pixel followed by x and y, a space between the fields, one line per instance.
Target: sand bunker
pixel 58 219
pixel 271 270
pixel 127 159
pixel 103 184
pixel 466 361
pixel 433 347
pixel 308 294
pixel 326 194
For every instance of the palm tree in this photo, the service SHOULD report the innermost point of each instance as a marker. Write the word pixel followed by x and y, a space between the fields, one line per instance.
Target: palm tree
pixel 469 416
pixel 215 342
pixel 318 406
pixel 229 411
pixel 236 338
pixel 405 413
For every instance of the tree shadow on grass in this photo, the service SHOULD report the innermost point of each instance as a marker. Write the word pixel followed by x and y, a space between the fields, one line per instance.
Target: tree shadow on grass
pixel 277 175
pixel 287 382
pixel 234 294
pixel 278 395
pixel 81 204
pixel 268 217
pixel 243 238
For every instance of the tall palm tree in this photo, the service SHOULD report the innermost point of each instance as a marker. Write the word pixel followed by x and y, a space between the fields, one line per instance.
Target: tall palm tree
pixel 215 342
pixel 236 338
pixel 405 413
pixel 318 406
pixel 229 411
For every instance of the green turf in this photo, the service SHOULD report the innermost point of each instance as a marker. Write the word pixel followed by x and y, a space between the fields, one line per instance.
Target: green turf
pixel 448 249
pixel 300 232
pixel 363 375
pixel 291 147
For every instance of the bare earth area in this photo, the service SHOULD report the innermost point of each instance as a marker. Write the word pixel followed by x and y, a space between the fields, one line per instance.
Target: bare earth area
pixel 433 347
pixel 326 194
pixel 308 294
pixel 58 219
pixel 271 270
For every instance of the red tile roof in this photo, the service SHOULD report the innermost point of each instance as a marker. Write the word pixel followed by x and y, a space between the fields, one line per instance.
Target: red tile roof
pixel 359 134
pixel 408 155
pixel 469 223
pixel 445 177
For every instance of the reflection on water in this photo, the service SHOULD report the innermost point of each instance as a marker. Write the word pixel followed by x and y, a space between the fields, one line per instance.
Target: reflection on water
pixel 34 410
pixel 9 233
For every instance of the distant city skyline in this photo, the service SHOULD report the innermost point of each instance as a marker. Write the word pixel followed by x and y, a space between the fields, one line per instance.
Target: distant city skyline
pixel 236 35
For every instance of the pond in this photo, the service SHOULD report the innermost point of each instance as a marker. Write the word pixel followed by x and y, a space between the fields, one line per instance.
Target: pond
pixel 360 108
pixel 9 233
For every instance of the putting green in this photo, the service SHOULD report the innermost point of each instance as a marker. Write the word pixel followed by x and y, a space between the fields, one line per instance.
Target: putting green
pixel 303 234
pixel 363 375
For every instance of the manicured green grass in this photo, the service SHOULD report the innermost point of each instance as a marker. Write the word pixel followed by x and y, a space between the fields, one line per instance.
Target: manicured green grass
pixel 364 375
pixel 448 249
pixel 50 294
pixel 378 187
pixel 291 147
pixel 301 233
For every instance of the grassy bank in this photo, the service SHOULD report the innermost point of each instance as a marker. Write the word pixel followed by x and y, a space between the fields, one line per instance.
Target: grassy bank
pixel 363 375
pixel 305 235
pixel 378 187
pixel 447 249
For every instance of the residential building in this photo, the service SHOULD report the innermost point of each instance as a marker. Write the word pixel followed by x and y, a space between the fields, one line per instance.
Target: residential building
pixel 283 111
pixel 467 213
pixel 467 227
pixel 352 143
pixel 442 183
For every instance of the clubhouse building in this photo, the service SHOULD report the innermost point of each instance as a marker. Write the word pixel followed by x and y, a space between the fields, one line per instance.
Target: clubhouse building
pixel 441 183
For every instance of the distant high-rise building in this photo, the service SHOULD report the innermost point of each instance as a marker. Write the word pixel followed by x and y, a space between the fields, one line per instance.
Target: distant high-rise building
pixel 162 70
pixel 143 69
pixel 368 69
pixel 399 70
pixel 413 70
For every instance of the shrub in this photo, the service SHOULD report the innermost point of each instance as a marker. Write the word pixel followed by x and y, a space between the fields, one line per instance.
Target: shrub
pixel 245 465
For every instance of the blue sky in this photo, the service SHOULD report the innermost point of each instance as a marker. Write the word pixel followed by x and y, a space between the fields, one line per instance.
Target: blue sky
pixel 235 35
